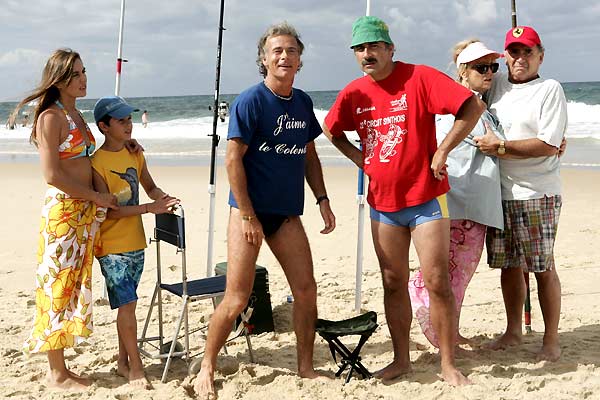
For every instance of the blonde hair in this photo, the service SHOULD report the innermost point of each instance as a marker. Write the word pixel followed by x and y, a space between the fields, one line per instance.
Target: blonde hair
pixel 58 70
pixel 456 50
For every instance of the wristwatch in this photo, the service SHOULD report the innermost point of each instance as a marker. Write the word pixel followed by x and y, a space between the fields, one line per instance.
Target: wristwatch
pixel 321 198
pixel 501 148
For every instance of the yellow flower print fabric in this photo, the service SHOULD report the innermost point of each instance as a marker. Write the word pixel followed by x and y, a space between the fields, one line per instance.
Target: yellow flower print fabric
pixel 63 295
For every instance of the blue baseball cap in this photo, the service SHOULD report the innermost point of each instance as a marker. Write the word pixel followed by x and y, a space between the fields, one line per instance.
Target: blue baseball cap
pixel 115 106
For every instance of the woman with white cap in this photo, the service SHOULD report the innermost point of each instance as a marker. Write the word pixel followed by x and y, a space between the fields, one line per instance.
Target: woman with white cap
pixel 474 200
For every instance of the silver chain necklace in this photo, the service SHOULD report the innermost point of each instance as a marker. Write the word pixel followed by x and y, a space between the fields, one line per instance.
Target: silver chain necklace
pixel 288 98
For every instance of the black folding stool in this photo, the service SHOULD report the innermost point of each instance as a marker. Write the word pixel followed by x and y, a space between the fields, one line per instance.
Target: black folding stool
pixel 363 325
pixel 170 228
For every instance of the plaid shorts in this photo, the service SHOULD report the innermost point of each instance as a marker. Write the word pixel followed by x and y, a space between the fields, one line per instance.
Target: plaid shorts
pixel 527 240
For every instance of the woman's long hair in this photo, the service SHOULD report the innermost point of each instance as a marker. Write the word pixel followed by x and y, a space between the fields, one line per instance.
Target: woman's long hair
pixel 58 70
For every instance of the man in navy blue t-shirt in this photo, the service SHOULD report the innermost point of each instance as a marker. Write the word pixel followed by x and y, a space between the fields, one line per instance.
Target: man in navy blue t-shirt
pixel 270 150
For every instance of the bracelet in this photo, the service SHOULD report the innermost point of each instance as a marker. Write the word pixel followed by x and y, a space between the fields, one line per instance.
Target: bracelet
pixel 321 198
pixel 248 217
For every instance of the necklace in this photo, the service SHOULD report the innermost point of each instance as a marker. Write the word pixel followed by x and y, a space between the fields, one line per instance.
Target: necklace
pixel 288 98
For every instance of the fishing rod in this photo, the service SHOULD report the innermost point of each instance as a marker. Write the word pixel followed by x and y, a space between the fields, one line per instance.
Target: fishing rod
pixel 213 152
pixel 527 305
pixel 513 13
pixel 120 60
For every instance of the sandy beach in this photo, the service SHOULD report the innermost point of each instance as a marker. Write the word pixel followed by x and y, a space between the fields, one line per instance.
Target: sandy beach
pixel 496 375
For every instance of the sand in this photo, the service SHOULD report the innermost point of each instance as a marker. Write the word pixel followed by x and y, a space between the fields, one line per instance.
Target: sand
pixel 496 375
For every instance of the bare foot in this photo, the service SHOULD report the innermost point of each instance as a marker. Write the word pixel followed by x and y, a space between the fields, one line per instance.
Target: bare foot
pixel 312 374
pixel 123 370
pixel 204 386
pixel 549 352
pixel 505 341
pixel 454 377
pixel 394 370
pixel 140 383
pixel 460 339
pixel 67 381
pixel 76 376
pixel 137 379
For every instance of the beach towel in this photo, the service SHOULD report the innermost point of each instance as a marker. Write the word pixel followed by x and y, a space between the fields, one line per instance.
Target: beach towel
pixel 466 245
pixel 63 295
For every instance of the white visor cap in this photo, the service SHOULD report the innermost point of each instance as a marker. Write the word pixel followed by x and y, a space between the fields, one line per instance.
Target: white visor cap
pixel 474 51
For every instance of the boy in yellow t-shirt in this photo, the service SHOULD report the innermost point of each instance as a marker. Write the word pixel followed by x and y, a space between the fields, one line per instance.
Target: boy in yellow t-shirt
pixel 122 240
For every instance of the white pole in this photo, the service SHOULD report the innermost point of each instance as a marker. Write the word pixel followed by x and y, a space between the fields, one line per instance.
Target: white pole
pixel 212 184
pixel 360 199
pixel 117 88
pixel 120 50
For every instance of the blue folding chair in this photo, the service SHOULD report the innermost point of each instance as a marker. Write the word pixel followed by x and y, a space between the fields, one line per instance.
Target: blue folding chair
pixel 170 229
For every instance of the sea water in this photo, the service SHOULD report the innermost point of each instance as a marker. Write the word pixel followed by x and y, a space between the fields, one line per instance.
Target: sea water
pixel 180 128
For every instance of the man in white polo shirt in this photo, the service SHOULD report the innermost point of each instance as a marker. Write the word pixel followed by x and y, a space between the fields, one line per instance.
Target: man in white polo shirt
pixel 533 112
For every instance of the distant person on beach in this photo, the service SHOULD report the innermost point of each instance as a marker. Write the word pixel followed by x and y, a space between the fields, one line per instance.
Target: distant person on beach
pixel 25 120
pixel 270 150
pixel 120 249
pixel 10 123
pixel 223 110
pixel 71 215
pixel 393 110
pixel 533 112
pixel 474 200
pixel 145 119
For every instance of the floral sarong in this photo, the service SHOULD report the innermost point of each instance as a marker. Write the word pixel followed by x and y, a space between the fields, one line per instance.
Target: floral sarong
pixel 63 296
pixel 466 246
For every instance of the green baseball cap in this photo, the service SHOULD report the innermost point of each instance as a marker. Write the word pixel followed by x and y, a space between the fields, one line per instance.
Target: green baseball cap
pixel 369 29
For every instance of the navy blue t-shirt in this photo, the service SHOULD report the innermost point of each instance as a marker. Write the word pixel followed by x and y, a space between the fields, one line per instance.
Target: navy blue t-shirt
pixel 277 132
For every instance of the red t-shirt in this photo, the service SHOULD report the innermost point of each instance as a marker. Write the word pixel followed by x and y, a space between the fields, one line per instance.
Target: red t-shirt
pixel 395 119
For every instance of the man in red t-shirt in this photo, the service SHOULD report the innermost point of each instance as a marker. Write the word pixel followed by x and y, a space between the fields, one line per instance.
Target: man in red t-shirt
pixel 393 110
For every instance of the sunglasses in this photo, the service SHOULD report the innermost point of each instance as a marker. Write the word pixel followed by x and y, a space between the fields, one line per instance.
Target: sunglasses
pixel 483 68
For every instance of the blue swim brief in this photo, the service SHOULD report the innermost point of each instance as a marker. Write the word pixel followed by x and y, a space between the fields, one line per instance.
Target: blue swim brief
pixel 122 273
pixel 415 215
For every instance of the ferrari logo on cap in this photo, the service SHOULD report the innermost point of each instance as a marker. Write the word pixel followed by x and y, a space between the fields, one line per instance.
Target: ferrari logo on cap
pixel 517 32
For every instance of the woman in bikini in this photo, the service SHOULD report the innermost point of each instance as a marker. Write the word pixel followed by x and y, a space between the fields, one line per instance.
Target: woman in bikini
pixel 70 216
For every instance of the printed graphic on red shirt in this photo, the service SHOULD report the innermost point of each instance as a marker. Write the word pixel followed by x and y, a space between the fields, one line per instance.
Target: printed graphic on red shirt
pixel 395 120
pixel 393 132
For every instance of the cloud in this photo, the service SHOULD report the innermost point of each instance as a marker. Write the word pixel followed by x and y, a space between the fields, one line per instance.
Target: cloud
pixel 475 12
pixel 400 21
pixel 22 58
pixel 171 45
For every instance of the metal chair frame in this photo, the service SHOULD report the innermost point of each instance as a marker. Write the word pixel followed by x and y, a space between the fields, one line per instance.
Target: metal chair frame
pixel 170 228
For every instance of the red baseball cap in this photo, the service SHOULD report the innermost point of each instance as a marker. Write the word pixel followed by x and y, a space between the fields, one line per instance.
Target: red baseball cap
pixel 525 35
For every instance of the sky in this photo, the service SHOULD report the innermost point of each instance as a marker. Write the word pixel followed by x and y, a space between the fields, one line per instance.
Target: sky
pixel 171 45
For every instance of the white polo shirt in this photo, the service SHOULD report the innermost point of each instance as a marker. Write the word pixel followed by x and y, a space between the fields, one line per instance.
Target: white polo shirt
pixel 536 109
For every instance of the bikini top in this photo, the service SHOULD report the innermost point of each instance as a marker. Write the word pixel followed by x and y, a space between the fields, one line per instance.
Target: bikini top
pixel 74 145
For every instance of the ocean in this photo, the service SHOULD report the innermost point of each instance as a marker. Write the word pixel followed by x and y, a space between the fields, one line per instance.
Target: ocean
pixel 180 127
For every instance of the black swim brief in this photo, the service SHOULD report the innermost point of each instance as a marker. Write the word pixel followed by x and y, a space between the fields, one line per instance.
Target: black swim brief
pixel 271 222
